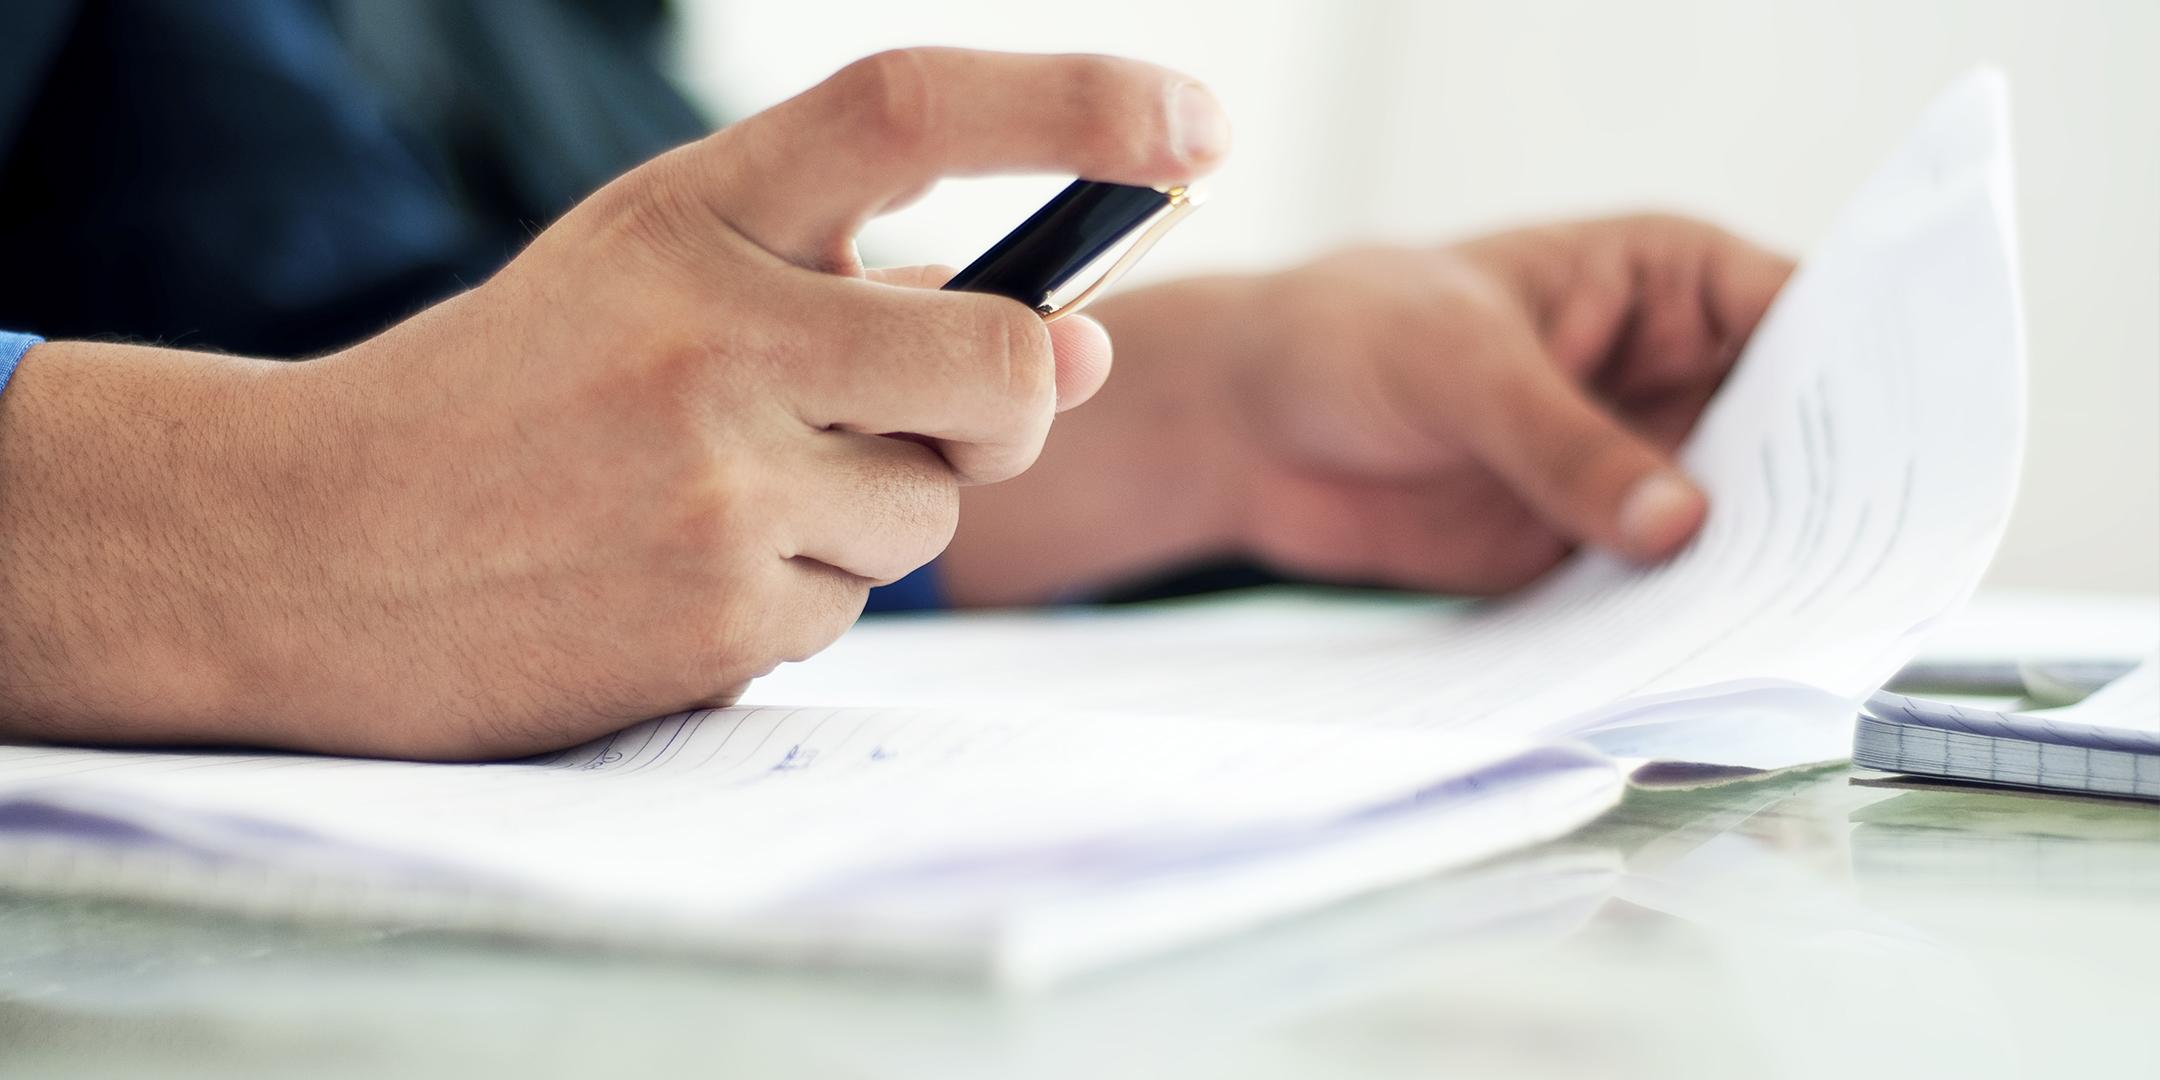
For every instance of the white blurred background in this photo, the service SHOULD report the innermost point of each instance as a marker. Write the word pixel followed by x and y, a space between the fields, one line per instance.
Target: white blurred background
pixel 1425 120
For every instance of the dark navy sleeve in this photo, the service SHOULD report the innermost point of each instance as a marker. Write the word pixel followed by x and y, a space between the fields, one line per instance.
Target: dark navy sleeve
pixel 219 175
pixel 31 33
pixel 283 177
pixel 919 591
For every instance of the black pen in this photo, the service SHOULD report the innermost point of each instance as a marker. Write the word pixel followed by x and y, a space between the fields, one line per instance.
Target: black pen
pixel 1082 225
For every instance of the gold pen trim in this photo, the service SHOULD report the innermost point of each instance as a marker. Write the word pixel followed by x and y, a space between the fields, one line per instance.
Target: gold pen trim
pixel 1183 201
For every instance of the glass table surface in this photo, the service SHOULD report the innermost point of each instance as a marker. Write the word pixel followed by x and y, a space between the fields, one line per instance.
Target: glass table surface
pixel 1801 924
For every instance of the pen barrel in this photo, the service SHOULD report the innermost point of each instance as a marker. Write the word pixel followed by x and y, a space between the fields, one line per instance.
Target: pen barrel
pixel 1083 222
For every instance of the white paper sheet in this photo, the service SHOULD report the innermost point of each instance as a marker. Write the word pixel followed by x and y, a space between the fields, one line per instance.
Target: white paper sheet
pixel 1031 845
pixel 1862 461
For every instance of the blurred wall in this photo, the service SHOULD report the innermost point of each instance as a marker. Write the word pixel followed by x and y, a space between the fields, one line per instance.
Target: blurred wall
pixel 1424 120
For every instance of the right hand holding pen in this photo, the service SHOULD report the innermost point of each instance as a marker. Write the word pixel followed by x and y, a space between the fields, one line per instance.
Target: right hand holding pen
pixel 669 447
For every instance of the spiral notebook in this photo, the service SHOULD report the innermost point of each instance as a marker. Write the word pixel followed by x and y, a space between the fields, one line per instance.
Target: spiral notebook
pixel 2108 744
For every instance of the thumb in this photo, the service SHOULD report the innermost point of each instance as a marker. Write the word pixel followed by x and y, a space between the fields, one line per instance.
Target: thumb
pixel 1082 347
pixel 1582 470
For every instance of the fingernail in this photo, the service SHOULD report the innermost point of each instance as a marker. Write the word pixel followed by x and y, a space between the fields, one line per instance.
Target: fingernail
pixel 1659 515
pixel 1200 131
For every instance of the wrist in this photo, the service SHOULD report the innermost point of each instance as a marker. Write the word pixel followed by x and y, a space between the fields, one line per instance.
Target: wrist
pixel 1142 477
pixel 1206 352
pixel 1183 347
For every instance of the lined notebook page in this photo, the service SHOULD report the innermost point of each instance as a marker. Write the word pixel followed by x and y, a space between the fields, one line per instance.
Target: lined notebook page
pixel 1861 462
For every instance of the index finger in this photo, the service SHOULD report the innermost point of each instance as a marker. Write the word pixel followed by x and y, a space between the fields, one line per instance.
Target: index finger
pixel 800 178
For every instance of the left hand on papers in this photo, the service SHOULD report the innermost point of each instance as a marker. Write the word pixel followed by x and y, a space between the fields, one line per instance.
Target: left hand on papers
pixel 1451 418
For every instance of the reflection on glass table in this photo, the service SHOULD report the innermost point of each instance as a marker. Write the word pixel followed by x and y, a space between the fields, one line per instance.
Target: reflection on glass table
pixel 1797 924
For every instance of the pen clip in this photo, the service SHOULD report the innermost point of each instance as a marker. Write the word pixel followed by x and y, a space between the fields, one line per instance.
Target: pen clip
pixel 1183 201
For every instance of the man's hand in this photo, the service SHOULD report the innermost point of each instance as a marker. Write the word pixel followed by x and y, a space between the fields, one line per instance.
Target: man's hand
pixel 1452 418
pixel 669 447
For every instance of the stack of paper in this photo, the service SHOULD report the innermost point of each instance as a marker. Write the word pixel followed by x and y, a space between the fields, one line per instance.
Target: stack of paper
pixel 1861 462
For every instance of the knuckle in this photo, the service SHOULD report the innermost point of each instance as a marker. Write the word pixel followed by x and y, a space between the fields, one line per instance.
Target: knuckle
pixel 926 498
pixel 1019 347
pixel 675 368
pixel 661 206
pixel 912 501
pixel 1019 375
pixel 1652 220
pixel 894 98
pixel 716 510
pixel 1679 226
pixel 1461 293
pixel 980 464
pixel 1670 244
pixel 918 512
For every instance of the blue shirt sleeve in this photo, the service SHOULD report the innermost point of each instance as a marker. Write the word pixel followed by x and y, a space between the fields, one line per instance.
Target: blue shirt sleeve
pixel 918 591
pixel 12 348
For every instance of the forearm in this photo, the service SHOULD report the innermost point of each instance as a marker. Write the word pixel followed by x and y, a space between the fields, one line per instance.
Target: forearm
pixel 1136 479
pixel 131 485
